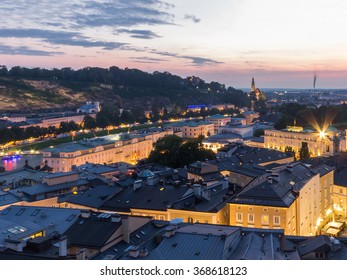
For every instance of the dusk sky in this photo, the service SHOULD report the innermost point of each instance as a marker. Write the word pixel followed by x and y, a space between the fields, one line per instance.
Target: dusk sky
pixel 280 43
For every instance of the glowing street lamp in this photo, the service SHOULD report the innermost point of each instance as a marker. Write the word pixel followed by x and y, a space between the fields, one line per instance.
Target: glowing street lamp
pixel 321 134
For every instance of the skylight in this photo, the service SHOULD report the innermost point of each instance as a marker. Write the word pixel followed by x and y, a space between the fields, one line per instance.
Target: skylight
pixel 17 229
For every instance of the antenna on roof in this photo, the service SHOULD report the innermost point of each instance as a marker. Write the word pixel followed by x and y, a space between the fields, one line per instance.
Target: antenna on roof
pixel 314 80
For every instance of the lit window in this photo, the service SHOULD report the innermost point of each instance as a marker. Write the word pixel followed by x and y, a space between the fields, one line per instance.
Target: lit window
pixel 265 219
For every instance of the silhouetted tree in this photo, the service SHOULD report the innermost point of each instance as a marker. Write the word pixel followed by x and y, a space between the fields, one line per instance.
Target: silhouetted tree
pixel 304 151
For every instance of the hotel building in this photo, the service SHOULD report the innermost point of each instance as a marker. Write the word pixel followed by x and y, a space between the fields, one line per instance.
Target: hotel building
pixel 319 143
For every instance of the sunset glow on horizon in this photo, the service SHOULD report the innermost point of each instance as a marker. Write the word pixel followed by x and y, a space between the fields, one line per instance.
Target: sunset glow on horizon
pixel 280 43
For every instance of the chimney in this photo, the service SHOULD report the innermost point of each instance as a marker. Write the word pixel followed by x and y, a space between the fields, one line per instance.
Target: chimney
pixel 143 252
pixel 137 184
pixel 150 181
pixel 115 218
pixel 175 175
pixel 15 245
pixel 177 183
pixel 270 179
pixel 225 183
pixel 290 168
pixel 85 214
pixel 275 178
pixel 134 251
pixel 170 231
pixel 126 230
pixel 81 255
pixel 334 244
pixel 63 246
pixel 206 194
pixel 197 190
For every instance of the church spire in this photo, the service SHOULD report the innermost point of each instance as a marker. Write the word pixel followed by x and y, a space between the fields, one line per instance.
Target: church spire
pixel 253 85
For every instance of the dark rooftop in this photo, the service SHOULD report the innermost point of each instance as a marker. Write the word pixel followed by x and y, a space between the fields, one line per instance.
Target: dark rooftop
pixel 92 232
pixel 94 197
pixel 145 197
pixel 281 191
pixel 340 177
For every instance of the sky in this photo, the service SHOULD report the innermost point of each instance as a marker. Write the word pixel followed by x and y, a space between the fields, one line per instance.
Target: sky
pixel 280 43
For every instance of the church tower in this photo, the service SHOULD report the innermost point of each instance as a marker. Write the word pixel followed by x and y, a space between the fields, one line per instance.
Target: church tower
pixel 252 85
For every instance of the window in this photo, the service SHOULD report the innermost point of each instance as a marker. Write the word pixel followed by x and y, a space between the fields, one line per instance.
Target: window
pixel 277 220
pixel 5 212
pixel 265 219
pixel 70 218
pixel 251 218
pixel 35 212
pixel 239 217
pixel 341 190
pixel 20 212
pixel 265 209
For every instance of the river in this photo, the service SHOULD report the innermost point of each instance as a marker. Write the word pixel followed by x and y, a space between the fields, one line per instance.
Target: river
pixel 33 161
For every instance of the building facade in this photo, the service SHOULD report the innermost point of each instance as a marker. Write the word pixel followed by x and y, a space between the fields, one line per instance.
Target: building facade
pixel 193 129
pixel 218 120
pixel 296 199
pixel 319 143
pixel 244 130
pixel 128 148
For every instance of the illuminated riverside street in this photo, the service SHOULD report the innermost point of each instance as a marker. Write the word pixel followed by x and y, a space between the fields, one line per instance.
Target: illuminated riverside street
pixel 10 165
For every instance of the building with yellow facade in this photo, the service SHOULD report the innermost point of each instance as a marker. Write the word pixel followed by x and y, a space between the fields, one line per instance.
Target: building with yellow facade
pixel 319 143
pixel 292 197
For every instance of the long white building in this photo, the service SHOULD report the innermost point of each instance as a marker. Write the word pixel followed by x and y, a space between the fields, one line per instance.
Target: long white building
pixel 128 148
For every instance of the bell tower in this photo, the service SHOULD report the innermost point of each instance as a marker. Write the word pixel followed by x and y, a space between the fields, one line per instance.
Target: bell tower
pixel 252 85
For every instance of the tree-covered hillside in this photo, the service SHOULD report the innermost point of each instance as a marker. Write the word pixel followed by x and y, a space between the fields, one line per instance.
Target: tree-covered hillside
pixel 25 89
